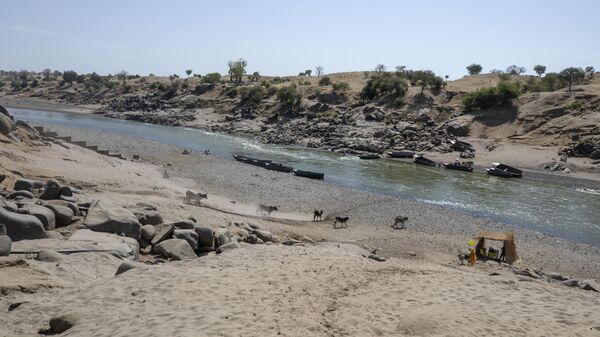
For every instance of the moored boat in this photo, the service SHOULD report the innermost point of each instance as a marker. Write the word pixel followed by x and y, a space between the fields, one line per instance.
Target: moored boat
pixel 309 174
pixel 462 146
pixel 505 171
pixel 278 167
pixel 243 159
pixel 424 161
pixel 466 167
pixel 401 154
pixel 369 156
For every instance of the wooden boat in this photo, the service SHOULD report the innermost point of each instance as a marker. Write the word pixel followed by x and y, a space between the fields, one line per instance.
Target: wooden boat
pixel 424 161
pixel 505 171
pixel 309 174
pixel 242 159
pixel 459 167
pixel 369 156
pixel 462 146
pixel 278 167
pixel 401 154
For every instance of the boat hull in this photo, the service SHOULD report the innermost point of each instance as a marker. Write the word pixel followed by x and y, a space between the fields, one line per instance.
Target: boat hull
pixel 458 167
pixel 309 174
pixel 424 161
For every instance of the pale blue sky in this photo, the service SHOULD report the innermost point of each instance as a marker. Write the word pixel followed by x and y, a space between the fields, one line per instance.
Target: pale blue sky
pixel 279 37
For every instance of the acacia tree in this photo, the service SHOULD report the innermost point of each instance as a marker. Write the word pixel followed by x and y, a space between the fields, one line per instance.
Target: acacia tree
pixel 188 72
pixel 308 72
pixel 380 68
pixel 237 69
pixel 122 75
pixel 589 72
pixel 571 75
pixel 539 69
pixel 319 70
pixel 515 70
pixel 427 78
pixel 474 69
pixel 46 73
pixel 69 76
pixel 551 81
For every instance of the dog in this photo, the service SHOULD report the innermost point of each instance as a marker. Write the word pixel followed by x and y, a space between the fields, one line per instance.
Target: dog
pixel 262 209
pixel 317 215
pixel 342 220
pixel 196 197
pixel 399 222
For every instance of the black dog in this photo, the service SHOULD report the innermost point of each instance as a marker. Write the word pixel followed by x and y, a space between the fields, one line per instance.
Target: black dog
pixel 317 215
pixel 342 220
pixel 399 222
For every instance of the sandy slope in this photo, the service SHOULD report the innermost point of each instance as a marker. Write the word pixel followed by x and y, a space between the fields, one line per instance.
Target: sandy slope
pixel 310 291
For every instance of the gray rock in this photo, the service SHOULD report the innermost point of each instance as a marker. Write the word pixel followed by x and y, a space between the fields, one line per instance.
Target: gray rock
pixel 6 124
pixel 162 233
pixel 44 214
pixel 61 324
pixel 184 224
pixel 103 218
pixel 206 238
pixel 63 214
pixel 458 128
pixel 22 226
pixel 2 229
pixel 5 245
pixel 72 205
pixel 590 285
pixel 292 242
pixel 51 190
pixel 66 191
pixel 557 276
pixel 571 283
pixel 27 185
pixel 188 235
pixel 175 249
pixel 127 265
pixel 8 205
pixel 48 255
pixel 120 246
pixel 54 235
pixel 222 239
pixel 377 258
pixel 146 206
pixel 148 217
pixel 148 232
pixel 266 236
pixel 16 194
pixel 227 246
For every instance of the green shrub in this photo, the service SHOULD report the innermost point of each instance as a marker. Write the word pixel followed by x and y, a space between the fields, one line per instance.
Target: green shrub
pixel 341 87
pixel 574 105
pixel 211 78
pixel 231 92
pixel 252 96
pixel 324 81
pixel 382 85
pixel 490 97
pixel 289 97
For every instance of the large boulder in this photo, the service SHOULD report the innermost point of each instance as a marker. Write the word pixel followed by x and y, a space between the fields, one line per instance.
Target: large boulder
pixel 117 245
pixel 27 185
pixel 266 236
pixel 162 233
pixel 5 245
pixel 22 194
pixel 105 218
pixel 148 232
pixel 44 214
pixel 22 226
pixel 49 255
pixel 6 125
pixel 51 190
pixel 63 214
pixel 9 205
pixel 188 235
pixel 176 249
pixel 228 246
pixel 460 126
pixel 73 206
pixel 184 224
pixel 148 217
pixel 206 238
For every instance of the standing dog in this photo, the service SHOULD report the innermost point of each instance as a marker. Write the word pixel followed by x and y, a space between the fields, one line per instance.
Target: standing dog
pixel 317 215
pixel 342 220
pixel 262 209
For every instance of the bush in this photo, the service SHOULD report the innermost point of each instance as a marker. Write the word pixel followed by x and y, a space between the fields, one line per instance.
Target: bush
pixel 341 87
pixel 34 83
pixel 382 85
pixel 289 97
pixel 574 105
pixel 211 78
pixel 324 81
pixel 231 92
pixel 490 97
pixel 252 96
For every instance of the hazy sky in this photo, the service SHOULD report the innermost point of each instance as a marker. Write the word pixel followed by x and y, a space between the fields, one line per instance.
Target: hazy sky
pixel 280 37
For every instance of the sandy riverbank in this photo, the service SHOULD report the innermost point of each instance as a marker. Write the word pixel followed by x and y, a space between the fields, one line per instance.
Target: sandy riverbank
pixel 314 290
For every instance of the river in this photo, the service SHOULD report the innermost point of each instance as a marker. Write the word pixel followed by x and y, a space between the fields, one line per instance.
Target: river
pixel 563 211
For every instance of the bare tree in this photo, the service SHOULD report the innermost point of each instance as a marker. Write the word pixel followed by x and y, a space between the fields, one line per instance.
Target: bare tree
pixel 319 70
pixel 380 68
pixel 46 73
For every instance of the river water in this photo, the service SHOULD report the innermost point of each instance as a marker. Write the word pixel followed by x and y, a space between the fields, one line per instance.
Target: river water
pixel 563 211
